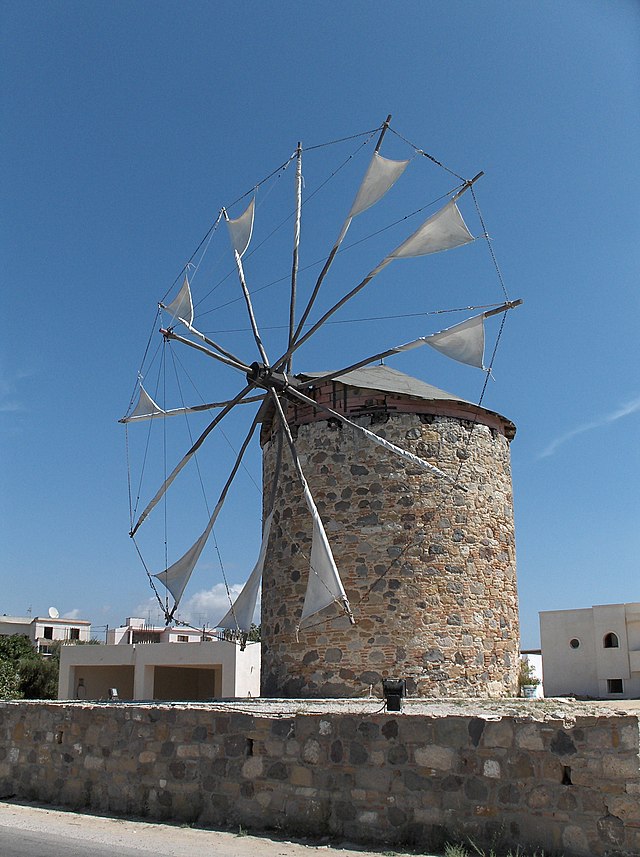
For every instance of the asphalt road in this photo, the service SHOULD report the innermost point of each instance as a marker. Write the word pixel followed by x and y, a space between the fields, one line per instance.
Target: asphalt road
pixel 27 830
pixel 23 843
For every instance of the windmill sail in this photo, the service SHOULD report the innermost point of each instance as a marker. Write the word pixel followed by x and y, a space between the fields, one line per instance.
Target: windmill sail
pixel 241 228
pixel 240 616
pixel 149 411
pixel 145 409
pixel 463 342
pixel 324 586
pixel 444 230
pixel 380 177
pixel 182 306
pixel 176 577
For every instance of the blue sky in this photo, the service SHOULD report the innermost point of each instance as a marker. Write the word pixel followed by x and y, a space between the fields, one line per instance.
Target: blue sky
pixel 125 128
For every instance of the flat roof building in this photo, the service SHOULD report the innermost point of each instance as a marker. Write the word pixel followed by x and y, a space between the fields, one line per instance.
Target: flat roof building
pixel 592 652
pixel 43 631
pixel 145 662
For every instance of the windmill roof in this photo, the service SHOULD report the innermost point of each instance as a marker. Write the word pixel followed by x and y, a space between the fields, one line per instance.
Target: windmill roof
pixel 389 380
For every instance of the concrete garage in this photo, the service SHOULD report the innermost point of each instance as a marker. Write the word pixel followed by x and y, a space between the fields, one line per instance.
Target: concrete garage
pixel 160 671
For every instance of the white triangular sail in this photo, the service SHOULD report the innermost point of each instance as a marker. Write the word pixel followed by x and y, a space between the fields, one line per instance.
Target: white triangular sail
pixel 380 177
pixel 145 409
pixel 463 342
pixel 182 306
pixel 148 412
pixel 186 458
pixel 324 586
pixel 176 577
pixel 240 616
pixel 241 228
pixel 444 230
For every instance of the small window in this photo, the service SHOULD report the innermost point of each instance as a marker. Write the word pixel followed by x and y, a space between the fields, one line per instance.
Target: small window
pixel 183 638
pixel 614 685
pixel 74 633
pixel 611 641
pixel 575 644
pixel 48 632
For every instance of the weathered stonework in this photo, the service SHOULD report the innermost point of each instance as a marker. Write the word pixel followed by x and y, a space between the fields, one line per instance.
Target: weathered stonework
pixel 559 777
pixel 428 567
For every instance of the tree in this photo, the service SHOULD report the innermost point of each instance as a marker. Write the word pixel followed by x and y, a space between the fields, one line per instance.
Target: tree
pixel 527 675
pixel 25 674
pixel 255 633
pixel 9 680
pixel 13 650
pixel 16 647
pixel 39 675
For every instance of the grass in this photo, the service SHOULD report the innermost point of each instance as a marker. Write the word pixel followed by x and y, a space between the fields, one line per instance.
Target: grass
pixel 463 851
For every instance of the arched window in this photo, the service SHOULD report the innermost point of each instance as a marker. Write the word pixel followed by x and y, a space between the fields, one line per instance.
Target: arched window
pixel 610 641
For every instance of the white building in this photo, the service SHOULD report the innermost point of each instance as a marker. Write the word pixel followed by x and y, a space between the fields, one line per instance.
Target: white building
pixel 594 652
pixel 139 631
pixel 44 631
pixel 155 663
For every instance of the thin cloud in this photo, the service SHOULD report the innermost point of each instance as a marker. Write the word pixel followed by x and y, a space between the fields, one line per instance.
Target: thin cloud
pixel 209 604
pixel 625 410
pixel 72 614
pixel 8 403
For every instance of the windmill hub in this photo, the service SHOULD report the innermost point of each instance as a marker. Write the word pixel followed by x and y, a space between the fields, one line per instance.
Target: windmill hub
pixel 267 378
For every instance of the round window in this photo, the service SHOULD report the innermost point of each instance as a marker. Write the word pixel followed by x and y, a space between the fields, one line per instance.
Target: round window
pixel 574 643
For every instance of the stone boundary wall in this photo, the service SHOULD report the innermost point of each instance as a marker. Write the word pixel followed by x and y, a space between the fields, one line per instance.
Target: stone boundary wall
pixel 564 781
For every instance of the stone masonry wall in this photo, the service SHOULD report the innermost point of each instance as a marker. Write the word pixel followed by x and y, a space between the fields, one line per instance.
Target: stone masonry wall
pixel 564 781
pixel 429 569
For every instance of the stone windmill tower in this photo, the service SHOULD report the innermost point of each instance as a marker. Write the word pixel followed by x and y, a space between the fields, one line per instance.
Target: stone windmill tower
pixel 428 567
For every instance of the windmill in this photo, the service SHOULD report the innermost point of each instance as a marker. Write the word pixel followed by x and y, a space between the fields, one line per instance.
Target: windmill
pixel 278 394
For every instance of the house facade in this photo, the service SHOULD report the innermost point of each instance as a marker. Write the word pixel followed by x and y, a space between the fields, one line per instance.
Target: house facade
pixel 44 631
pixel 136 631
pixel 592 652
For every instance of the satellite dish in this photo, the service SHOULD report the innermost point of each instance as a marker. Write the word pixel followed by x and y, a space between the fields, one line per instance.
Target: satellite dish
pixel 53 613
